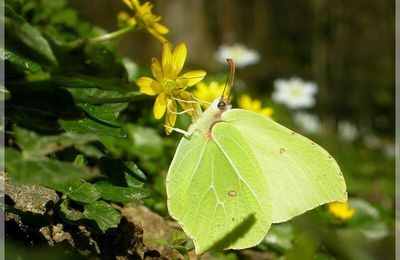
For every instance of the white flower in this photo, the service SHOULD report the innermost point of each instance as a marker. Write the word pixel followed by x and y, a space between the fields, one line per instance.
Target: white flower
pixel 240 54
pixel 347 131
pixel 295 93
pixel 308 122
pixel 390 150
pixel 372 141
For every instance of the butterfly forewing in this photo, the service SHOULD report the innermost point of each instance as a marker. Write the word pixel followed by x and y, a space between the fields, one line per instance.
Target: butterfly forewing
pixel 300 174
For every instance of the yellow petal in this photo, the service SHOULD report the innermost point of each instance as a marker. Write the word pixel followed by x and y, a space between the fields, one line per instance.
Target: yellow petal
pixel 148 86
pixel 191 78
pixel 156 35
pixel 160 105
pixel 135 4
pixel 160 28
pixel 156 69
pixel 178 58
pixel 166 59
pixel 341 210
pixel 128 3
pixel 243 101
pixel 267 111
pixel 170 117
pixel 256 105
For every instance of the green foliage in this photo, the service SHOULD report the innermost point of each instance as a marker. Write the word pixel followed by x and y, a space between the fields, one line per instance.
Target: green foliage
pixel 100 212
pixel 120 194
pixel 42 171
pixel 78 190
pixel 65 92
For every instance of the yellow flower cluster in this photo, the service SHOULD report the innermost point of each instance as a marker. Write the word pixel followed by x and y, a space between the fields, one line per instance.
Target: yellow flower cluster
pixel 246 102
pixel 168 86
pixel 146 19
pixel 208 92
pixel 341 211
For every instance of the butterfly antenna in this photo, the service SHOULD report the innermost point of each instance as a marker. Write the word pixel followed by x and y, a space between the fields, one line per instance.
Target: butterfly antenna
pixel 232 67
pixel 232 73
pixel 223 91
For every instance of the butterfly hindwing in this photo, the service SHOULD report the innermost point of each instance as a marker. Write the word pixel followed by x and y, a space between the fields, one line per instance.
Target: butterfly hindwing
pixel 217 192
pixel 300 174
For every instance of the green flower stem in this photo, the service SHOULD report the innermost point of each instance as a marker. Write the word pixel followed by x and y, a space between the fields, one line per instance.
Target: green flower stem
pixel 104 37
pixel 98 101
pixel 112 35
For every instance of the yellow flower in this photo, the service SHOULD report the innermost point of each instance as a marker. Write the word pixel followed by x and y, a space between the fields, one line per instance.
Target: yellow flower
pixel 147 19
pixel 246 102
pixel 168 86
pixel 341 210
pixel 208 92
pixel 125 20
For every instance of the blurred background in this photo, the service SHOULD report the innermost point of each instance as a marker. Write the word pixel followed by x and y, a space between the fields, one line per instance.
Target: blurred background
pixel 347 48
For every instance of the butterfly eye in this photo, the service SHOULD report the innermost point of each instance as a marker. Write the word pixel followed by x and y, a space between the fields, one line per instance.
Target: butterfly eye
pixel 221 104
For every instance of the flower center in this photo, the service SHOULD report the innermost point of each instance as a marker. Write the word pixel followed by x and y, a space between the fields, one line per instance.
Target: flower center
pixel 170 86
pixel 295 91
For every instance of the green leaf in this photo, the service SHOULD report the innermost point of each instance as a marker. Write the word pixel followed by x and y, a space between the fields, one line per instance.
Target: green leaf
pixel 39 105
pixel 183 250
pixel 42 171
pixel 305 248
pixel 101 113
pixel 121 194
pixel 115 101
pixel 105 216
pixel 84 81
pixel 131 68
pixel 100 212
pixel 70 215
pixel 133 175
pixel 280 237
pixel 78 190
pixel 90 150
pixel 80 160
pixel 101 58
pixel 20 61
pixel 121 173
pixel 147 142
pixel 367 220
pixel 99 121
pixel 27 39
pixel 34 145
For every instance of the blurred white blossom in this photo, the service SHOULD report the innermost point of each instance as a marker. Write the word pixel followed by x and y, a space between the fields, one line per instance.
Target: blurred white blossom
pixel 240 54
pixel 308 122
pixel 295 93
pixel 390 150
pixel 347 131
pixel 372 141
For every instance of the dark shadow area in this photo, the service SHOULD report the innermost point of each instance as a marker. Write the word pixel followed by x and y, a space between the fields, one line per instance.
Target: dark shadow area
pixel 238 232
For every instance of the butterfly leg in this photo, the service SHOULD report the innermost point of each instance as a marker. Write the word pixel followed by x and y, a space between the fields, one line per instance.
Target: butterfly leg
pixel 182 112
pixel 181 131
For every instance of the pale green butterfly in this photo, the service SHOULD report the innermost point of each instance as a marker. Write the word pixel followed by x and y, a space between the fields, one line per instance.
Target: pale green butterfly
pixel 235 172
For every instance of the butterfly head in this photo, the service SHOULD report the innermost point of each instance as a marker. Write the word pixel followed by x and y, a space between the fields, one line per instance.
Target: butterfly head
pixel 223 105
